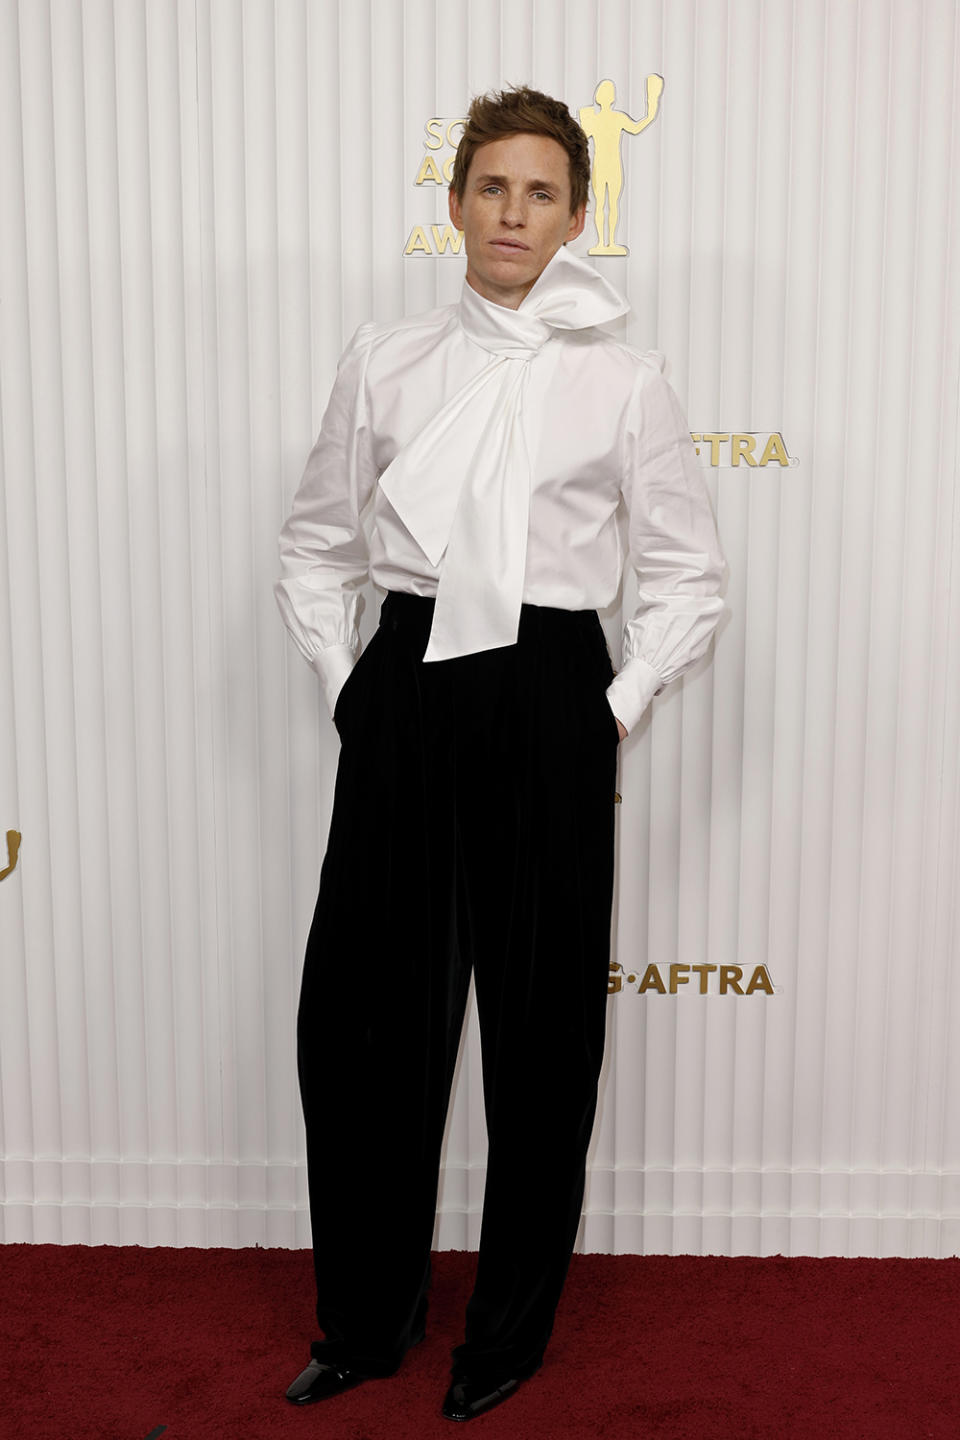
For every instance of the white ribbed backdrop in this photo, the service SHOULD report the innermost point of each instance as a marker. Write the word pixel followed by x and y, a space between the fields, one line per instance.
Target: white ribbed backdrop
pixel 199 201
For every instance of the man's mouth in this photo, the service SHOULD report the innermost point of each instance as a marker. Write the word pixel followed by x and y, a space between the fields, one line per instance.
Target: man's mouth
pixel 510 244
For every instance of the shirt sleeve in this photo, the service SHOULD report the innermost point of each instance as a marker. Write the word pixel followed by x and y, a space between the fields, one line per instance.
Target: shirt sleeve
pixel 673 548
pixel 324 558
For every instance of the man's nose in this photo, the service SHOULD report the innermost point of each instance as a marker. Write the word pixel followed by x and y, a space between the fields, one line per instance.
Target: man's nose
pixel 514 211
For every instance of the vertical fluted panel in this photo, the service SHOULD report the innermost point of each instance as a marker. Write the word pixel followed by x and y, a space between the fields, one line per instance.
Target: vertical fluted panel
pixel 18 624
pixel 118 475
pixel 202 200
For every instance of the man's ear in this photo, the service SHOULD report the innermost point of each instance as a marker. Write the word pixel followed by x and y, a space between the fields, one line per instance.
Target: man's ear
pixel 456 213
pixel 577 220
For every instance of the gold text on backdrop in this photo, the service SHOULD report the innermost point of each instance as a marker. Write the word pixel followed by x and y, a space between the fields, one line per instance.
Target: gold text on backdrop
pixel 441 138
pixel 728 979
pixel 446 240
pixel 741 448
pixel 439 133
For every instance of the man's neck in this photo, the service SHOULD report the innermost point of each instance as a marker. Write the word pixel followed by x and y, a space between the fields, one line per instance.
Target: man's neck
pixel 510 299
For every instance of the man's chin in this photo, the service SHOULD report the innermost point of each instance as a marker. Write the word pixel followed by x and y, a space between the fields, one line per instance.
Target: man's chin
pixel 500 280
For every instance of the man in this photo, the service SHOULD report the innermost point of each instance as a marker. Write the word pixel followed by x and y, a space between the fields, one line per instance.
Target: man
pixel 494 441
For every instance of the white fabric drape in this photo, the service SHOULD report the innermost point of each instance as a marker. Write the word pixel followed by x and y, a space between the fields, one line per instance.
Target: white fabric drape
pixel 201 202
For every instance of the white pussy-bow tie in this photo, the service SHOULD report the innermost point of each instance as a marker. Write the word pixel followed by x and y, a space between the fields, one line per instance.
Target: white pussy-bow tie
pixel 461 486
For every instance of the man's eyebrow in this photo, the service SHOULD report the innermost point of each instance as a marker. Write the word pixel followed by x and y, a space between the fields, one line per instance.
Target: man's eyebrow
pixel 502 180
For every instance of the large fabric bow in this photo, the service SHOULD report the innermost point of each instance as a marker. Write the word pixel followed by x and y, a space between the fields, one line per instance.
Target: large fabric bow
pixel 461 486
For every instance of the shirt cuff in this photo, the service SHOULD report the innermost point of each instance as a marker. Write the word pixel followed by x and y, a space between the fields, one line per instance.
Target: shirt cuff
pixel 632 690
pixel 333 665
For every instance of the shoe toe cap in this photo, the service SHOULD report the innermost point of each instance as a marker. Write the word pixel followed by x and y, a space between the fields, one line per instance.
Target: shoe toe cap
pixel 318 1381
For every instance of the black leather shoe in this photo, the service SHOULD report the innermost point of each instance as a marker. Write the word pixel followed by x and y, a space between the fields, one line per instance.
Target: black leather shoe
pixel 468 1398
pixel 319 1382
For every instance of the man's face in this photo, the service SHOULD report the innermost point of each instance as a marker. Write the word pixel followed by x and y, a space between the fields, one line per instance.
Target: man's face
pixel 515 214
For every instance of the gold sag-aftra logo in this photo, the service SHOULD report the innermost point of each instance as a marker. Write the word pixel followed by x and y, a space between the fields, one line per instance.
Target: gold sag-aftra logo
pixel 710 980
pixel 604 124
pixel 13 850
pixel 723 450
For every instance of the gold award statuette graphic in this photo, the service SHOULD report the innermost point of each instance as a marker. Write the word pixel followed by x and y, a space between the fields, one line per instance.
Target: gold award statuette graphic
pixel 606 127
pixel 13 849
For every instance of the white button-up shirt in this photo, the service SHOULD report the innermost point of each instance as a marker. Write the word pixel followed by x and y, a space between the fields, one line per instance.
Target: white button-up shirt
pixel 603 430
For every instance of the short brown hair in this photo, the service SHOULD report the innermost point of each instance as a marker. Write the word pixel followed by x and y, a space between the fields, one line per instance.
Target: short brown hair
pixel 522 111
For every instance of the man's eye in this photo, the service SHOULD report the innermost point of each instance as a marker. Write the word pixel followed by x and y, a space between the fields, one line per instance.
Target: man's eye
pixel 542 195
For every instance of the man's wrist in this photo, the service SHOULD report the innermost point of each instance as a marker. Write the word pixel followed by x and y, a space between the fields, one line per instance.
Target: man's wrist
pixel 333 665
pixel 631 691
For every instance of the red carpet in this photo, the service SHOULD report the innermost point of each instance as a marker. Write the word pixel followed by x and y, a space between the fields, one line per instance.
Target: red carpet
pixel 113 1343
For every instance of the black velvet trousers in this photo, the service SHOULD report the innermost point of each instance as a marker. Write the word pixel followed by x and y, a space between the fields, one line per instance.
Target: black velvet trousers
pixel 472 828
